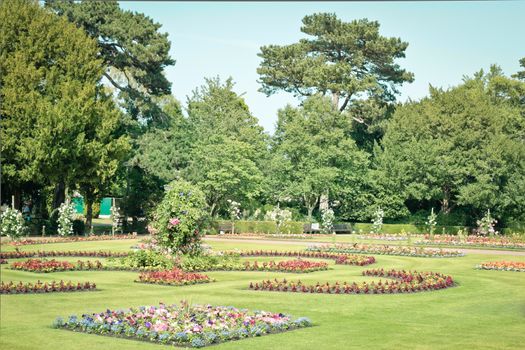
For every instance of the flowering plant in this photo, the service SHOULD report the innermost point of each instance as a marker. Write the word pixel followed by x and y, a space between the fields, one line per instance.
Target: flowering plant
pixel 431 222
pixel 384 250
pixel 384 236
pixel 115 220
pixel 280 216
pixel 486 225
pixel 327 220
pixel 178 219
pixel 474 240
pixel 183 325
pixel 377 222
pixel 45 287
pixel 345 259
pixel 296 266
pixel 54 253
pixel 12 224
pixel 173 277
pixel 30 241
pixel 66 212
pixel 45 266
pixel 403 282
pixel 518 266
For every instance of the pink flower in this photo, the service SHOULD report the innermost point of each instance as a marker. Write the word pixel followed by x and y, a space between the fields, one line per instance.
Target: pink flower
pixel 174 222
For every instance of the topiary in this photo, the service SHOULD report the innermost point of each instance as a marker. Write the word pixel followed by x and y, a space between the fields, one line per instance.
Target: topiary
pixel 179 217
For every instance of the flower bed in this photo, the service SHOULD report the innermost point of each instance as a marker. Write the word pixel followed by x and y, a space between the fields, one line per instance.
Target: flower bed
pixel 45 266
pixel 403 282
pixel 296 266
pixel 339 258
pixel 29 241
pixel 473 241
pixel 284 236
pixel 182 325
pixel 57 253
pixel 3 261
pixel 517 266
pixel 46 287
pixel 174 277
pixel 384 250
pixel 384 237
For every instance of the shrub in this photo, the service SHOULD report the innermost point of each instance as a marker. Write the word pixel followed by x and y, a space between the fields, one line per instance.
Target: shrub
pixel 147 258
pixel 65 218
pixel 179 218
pixel 79 227
pixel 12 224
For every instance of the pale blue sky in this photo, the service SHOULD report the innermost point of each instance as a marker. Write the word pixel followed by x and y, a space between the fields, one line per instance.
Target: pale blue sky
pixel 446 40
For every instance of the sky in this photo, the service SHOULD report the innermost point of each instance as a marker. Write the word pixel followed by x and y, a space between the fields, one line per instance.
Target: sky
pixel 447 40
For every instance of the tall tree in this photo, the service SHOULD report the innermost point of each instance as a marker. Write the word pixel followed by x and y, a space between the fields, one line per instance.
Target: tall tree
pixel 58 125
pixel 132 48
pixel 347 60
pixel 460 147
pixel 314 154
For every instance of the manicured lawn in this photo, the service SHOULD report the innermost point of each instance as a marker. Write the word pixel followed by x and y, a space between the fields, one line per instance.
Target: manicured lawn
pixel 485 310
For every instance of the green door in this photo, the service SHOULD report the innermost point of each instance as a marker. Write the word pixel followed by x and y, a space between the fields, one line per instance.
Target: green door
pixel 105 206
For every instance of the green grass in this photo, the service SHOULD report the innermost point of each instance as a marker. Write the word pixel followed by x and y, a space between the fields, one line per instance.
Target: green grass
pixel 485 310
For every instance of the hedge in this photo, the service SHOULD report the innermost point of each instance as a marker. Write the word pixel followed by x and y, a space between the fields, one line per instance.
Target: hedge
pixel 241 226
pixel 409 228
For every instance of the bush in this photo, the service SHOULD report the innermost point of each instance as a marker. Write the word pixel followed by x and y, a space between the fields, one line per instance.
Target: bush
pixel 79 227
pixel 12 224
pixel 179 218
pixel 242 226
pixel 147 258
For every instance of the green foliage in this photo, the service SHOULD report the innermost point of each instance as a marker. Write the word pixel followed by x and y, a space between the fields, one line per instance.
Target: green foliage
pixel 79 227
pixel 346 59
pixel 210 262
pixel 132 48
pixel 95 208
pixel 147 258
pixel 178 218
pixel 460 147
pixel 313 154
pixel 244 226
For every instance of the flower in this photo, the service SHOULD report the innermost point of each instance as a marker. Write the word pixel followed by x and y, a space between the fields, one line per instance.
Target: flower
pixel 174 222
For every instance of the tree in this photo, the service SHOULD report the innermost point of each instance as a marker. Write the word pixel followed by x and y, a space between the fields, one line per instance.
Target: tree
pixel 313 154
pixel 348 60
pixel 223 168
pixel 133 50
pixel 460 147
pixel 58 123
pixel 521 74
pixel 228 146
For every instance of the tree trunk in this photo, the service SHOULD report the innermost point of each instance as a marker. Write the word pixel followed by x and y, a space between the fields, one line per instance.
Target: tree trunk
pixel 445 203
pixel 60 194
pixel 17 193
pixel 310 212
pixel 89 214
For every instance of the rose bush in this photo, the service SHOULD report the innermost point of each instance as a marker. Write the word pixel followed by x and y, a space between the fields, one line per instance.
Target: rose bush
pixel 178 219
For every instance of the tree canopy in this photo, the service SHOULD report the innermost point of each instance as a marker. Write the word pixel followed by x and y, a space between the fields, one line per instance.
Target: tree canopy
pixel 347 60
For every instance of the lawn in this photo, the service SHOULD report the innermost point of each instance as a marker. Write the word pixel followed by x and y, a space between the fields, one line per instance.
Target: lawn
pixel 484 311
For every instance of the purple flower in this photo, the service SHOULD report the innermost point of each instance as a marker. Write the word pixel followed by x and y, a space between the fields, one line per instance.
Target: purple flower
pixel 148 325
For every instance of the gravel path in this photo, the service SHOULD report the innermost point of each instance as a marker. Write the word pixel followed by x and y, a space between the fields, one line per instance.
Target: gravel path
pixel 297 242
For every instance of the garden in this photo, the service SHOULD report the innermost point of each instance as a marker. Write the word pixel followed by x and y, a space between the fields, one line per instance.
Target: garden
pixel 144 206
pixel 178 287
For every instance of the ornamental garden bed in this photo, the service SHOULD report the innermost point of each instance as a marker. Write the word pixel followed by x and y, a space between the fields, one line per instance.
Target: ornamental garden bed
pixel 384 250
pixel 473 241
pixel 60 253
pixel 46 287
pixel 339 258
pixel 174 277
pixel 45 266
pixel 182 324
pixel 517 266
pixel 402 282
pixel 30 241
